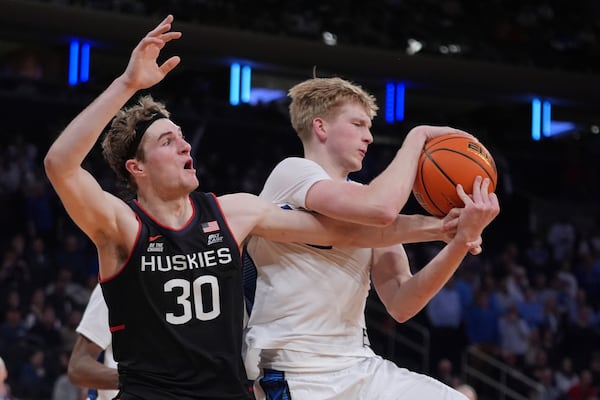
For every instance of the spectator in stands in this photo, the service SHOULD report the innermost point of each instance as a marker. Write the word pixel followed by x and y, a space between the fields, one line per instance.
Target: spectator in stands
pixel 514 337
pixel 482 324
pixel 565 376
pixel 46 332
pixel 62 388
pixel 40 263
pixel 561 238
pixel 12 330
pixel 531 309
pixel 551 391
pixel 72 257
pixel 584 389
pixel 537 254
pixel 34 380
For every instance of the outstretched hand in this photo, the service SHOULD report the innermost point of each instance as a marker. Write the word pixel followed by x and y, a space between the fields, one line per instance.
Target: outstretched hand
pixel 480 210
pixel 143 70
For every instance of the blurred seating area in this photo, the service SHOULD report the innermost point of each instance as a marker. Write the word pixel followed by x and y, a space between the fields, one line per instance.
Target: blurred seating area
pixel 551 34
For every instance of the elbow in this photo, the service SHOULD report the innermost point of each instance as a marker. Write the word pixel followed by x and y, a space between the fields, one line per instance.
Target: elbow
pixel 400 316
pixel 51 163
pixel 73 374
pixel 383 216
pixel 389 215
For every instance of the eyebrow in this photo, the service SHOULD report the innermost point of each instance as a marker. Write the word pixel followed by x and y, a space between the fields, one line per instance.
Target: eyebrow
pixel 169 132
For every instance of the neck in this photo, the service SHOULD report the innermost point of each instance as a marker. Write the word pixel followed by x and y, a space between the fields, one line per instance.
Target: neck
pixel 173 213
pixel 335 171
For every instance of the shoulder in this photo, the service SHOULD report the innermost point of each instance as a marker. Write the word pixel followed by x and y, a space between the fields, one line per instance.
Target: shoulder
pixel 243 211
pixel 291 179
pixel 295 165
pixel 241 204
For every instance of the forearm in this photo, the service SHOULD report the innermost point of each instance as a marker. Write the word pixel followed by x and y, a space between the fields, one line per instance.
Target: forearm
pixel 89 373
pixel 78 138
pixel 394 185
pixel 405 229
pixel 417 228
pixel 404 300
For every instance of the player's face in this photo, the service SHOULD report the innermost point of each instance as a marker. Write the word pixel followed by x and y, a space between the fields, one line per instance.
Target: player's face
pixel 167 160
pixel 349 136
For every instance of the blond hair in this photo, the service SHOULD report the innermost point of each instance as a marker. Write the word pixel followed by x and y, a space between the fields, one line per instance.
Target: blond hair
pixel 323 97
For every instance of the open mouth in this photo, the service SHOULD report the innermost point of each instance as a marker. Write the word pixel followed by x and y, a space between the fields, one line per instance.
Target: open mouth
pixel 188 165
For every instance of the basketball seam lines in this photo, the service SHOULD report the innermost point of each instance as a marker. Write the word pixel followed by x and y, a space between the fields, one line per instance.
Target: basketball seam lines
pixel 425 186
pixel 475 160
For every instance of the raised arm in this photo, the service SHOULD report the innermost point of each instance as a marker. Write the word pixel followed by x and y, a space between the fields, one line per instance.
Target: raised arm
pixel 92 209
pixel 381 200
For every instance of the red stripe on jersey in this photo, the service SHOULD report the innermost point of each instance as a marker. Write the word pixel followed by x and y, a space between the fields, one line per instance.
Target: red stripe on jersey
pixel 117 328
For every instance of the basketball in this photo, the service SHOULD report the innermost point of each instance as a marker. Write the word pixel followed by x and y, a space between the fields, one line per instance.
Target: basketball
pixel 445 162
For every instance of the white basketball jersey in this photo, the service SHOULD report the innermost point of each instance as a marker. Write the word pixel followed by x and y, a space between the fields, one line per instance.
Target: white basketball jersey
pixel 309 299
pixel 94 326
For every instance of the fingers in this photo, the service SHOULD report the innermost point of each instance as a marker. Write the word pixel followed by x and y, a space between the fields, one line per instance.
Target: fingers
pixel 171 63
pixel 476 250
pixel 450 221
pixel 433 131
pixel 475 243
pixel 477 189
pixel 163 31
pixel 475 246
pixel 162 27
pixel 462 195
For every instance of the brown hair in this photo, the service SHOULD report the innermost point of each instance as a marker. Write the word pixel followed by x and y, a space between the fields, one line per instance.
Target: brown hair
pixel 117 143
pixel 322 97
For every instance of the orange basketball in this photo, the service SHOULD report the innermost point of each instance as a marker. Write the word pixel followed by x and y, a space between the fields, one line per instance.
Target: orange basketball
pixel 446 161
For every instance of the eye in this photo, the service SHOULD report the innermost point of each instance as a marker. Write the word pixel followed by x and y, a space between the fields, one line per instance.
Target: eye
pixel 167 142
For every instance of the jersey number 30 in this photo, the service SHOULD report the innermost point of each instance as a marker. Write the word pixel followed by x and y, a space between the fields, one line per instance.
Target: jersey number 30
pixel 191 294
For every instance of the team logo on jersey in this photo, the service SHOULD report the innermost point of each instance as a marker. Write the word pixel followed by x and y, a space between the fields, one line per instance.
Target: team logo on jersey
pixel 154 247
pixel 214 238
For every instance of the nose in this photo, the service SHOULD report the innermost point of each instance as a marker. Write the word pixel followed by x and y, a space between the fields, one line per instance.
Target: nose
pixel 368 137
pixel 185 146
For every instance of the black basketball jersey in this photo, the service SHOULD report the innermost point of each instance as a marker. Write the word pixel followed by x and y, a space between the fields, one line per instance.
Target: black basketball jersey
pixel 176 309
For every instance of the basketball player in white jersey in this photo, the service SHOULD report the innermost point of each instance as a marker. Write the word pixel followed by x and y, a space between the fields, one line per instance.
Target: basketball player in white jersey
pixel 307 325
pixel 94 340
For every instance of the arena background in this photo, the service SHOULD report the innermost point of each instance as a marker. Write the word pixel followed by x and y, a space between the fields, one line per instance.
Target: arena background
pixel 480 67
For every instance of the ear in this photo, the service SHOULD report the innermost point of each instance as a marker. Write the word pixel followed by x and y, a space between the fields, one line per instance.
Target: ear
pixel 320 128
pixel 135 167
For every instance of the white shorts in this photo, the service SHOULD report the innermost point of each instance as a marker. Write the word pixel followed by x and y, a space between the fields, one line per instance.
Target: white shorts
pixel 371 378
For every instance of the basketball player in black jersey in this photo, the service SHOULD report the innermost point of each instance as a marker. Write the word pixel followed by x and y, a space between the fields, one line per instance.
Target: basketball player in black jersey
pixel 170 260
